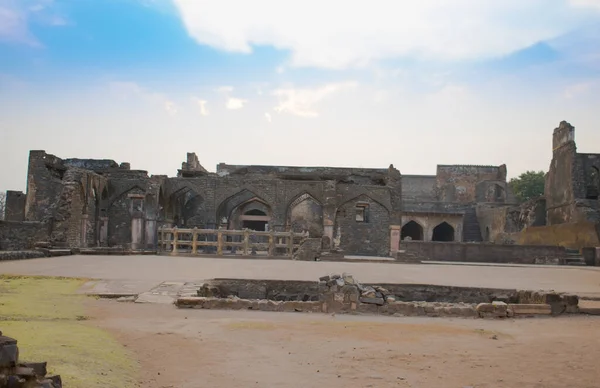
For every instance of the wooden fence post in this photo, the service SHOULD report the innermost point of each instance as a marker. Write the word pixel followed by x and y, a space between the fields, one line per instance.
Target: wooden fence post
pixel 194 240
pixel 175 240
pixel 219 242
pixel 271 243
pixel 291 244
pixel 246 241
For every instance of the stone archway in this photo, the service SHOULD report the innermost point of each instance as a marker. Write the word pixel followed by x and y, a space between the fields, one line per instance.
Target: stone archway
pixel 305 213
pixel 443 232
pixel 412 230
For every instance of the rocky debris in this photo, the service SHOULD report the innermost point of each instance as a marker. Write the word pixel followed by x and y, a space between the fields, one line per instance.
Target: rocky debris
pixel 22 375
pixel 560 303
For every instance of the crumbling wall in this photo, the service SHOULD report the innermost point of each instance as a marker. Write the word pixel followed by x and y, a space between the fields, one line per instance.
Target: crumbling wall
pixel 572 235
pixel 459 183
pixel 484 253
pixel 14 207
pixel 368 236
pixel 16 236
pixel 419 188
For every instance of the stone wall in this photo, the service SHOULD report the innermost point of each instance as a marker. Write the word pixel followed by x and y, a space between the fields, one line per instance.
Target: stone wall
pixel 14 209
pixel 572 235
pixel 463 183
pixel 482 253
pixel 572 183
pixel 23 235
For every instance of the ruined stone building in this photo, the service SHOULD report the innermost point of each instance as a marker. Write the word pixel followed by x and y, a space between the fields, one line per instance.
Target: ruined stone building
pixel 98 203
pixel 569 212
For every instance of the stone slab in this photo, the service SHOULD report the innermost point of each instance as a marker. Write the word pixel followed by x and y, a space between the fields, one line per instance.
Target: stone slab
pixel 530 309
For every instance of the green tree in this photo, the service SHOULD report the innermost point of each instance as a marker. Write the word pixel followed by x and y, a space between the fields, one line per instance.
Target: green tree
pixel 529 184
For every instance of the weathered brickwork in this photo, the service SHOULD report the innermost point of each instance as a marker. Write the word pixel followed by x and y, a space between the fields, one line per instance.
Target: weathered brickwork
pixel 101 203
pixel 572 182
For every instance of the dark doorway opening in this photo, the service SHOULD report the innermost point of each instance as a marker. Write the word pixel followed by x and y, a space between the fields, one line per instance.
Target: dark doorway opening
pixel 413 230
pixel 443 232
pixel 255 220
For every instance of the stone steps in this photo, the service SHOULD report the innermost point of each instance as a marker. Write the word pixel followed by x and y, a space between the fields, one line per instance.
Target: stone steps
pixel 471 228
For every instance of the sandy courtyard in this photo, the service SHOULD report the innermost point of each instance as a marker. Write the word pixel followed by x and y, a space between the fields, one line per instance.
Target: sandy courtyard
pixel 202 348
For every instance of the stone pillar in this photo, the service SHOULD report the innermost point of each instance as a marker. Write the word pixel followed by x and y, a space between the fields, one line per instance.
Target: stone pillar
pixel 394 239
pixel 328 232
pixel 84 227
pixel 150 235
pixel 103 231
pixel 137 229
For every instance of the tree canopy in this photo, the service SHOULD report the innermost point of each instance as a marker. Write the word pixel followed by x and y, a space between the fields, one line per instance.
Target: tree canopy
pixel 528 185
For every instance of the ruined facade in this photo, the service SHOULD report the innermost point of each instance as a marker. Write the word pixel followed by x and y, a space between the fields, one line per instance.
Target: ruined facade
pixel 86 203
pixel 568 214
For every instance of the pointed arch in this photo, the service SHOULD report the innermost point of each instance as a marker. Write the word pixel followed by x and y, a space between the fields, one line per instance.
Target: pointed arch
pixel 413 230
pixel 124 192
pixel 364 194
pixel 305 213
pixel 443 232
pixel 233 202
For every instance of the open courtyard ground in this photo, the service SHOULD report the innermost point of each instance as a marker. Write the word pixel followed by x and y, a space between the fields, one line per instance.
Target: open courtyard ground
pixel 137 274
pixel 159 346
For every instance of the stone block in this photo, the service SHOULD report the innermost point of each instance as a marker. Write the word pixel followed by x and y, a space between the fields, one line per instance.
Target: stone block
pixel 39 368
pixel 377 301
pixel 492 310
pixel 530 309
pixel 367 308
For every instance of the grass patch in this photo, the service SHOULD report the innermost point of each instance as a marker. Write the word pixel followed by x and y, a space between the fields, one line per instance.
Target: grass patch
pixel 47 318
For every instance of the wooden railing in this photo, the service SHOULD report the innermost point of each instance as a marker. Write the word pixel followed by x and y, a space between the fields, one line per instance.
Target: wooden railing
pixel 223 241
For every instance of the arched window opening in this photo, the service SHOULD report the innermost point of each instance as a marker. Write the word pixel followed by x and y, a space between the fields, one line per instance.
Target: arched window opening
pixel 443 232
pixel 411 231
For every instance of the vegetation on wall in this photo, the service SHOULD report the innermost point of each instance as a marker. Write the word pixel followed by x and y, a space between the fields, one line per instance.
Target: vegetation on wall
pixel 528 185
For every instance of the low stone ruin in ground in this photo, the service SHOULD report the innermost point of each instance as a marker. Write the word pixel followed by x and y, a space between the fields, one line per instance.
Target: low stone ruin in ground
pixel 343 294
pixel 22 375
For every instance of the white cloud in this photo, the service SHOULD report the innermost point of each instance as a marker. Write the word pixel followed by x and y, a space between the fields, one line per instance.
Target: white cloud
pixel 268 117
pixel 302 102
pixel 17 15
pixel 580 89
pixel 340 34
pixel 13 25
pixel 224 89
pixel 235 103
pixel 170 108
pixel 126 90
pixel 202 105
pixel 585 3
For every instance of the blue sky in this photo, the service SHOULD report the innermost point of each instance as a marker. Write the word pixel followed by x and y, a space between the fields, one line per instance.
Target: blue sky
pixel 335 83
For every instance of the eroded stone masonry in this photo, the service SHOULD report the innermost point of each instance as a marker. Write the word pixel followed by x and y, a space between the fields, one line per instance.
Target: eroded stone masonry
pixel 83 203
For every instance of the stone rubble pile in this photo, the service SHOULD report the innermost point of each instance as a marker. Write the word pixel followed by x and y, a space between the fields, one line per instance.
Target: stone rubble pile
pixel 22 375
pixel 342 293
pixel 346 284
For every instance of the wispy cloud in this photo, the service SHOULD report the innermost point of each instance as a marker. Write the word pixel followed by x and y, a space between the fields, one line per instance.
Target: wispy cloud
pixel 17 15
pixel 125 90
pixel 224 89
pixel 235 103
pixel 268 117
pixel 347 34
pixel 201 105
pixel 303 102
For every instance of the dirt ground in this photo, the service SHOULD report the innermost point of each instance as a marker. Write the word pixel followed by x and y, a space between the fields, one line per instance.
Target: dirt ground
pixel 202 348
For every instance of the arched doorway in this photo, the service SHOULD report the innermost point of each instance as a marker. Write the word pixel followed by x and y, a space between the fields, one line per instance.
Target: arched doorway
pixel 443 232
pixel 255 220
pixel 412 230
